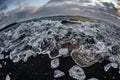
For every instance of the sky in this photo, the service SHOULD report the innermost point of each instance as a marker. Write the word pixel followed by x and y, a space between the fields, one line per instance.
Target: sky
pixel 8 5
pixel 17 10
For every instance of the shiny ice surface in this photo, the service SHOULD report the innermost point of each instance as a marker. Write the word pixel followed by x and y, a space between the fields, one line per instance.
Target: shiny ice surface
pixel 57 39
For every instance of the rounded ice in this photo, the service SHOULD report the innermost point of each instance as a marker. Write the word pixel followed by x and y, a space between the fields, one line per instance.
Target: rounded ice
pixel 77 73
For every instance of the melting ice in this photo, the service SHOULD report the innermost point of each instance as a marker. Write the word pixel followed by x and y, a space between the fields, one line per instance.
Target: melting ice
pixel 86 42
pixel 58 73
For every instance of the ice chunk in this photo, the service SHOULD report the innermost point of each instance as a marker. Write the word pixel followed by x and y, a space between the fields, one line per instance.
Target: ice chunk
pixel 112 59
pixel 0 66
pixel 44 36
pixel 28 53
pixel 55 63
pixel 113 78
pixel 1 50
pixel 7 56
pixel 93 79
pixel 63 51
pixel 1 56
pixel 4 63
pixel 14 57
pixel 88 32
pixel 108 66
pixel 77 73
pixel 7 77
pixel 114 65
pixel 119 69
pixel 58 73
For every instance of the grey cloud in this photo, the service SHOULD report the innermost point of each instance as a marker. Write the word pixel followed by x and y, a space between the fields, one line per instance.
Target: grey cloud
pixel 110 8
pixel 3 8
pixel 6 4
pixel 3 4
pixel 89 11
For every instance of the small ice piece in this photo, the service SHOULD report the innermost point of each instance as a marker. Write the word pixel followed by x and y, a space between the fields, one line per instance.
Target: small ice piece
pixel 119 70
pixel 0 65
pixel 1 50
pixel 6 57
pixel 4 62
pixel 113 78
pixel 88 32
pixel 108 66
pixel 58 73
pixel 77 73
pixel 55 63
pixel 93 79
pixel 1 56
pixel 114 65
pixel 112 59
pixel 7 77
pixel 63 51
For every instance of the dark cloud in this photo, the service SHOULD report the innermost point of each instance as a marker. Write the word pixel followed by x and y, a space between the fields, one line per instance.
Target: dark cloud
pixel 3 7
pixel 4 4
pixel 111 8
pixel 4 1
pixel 7 5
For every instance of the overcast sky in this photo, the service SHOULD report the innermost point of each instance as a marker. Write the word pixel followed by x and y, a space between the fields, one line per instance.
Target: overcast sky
pixel 13 10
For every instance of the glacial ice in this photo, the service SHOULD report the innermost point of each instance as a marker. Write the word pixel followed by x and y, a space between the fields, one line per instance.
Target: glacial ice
pixel 87 43
pixel 93 79
pixel 1 56
pixel 0 65
pixel 119 69
pixel 56 39
pixel 63 51
pixel 7 77
pixel 77 73
pixel 55 63
pixel 58 73
pixel 108 66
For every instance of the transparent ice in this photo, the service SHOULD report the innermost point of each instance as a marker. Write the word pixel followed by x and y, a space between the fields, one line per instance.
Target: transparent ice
pixel 58 73
pixel 7 77
pixel 77 73
pixel 55 63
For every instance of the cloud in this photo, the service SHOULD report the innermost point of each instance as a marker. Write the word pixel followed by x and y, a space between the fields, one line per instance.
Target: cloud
pixel 73 9
pixel 3 5
pixel 35 8
pixel 109 6
pixel 104 10
pixel 99 8
pixel 3 8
